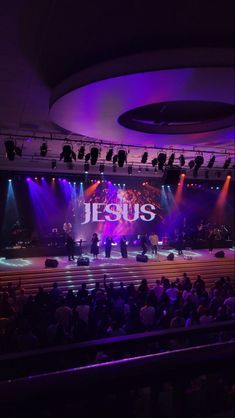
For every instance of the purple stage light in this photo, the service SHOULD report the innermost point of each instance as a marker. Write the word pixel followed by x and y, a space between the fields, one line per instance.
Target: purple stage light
pixel 42 178
pixel 28 179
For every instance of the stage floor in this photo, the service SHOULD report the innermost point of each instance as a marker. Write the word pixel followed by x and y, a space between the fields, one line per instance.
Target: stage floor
pixel 36 263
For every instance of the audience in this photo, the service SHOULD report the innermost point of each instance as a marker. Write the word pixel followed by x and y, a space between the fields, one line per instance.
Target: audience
pixel 47 319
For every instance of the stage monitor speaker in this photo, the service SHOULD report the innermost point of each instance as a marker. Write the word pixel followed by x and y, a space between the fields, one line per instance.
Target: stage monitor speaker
pixel 170 257
pixel 171 175
pixel 51 262
pixel 83 261
pixel 142 258
pixel 219 254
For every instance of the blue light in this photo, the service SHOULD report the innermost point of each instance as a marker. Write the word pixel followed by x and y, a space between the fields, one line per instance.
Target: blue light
pixel 9 180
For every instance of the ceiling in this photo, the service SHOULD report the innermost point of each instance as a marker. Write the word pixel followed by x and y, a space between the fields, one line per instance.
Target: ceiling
pixel 70 69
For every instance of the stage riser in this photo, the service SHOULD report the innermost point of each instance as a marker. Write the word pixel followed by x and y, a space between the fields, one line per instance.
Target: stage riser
pixel 189 264
pixel 72 279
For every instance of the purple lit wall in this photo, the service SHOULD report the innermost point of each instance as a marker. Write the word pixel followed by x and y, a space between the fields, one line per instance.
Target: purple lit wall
pixel 105 207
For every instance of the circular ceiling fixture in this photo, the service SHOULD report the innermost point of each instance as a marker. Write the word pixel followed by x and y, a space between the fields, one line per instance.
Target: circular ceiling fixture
pixel 180 96
pixel 182 116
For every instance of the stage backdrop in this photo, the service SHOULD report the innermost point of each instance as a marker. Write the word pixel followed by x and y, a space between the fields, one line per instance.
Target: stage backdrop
pixel 129 208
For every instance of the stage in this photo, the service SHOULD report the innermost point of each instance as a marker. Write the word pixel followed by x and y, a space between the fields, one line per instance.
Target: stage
pixel 36 263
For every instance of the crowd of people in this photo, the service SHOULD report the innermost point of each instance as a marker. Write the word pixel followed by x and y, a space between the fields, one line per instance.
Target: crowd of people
pixel 52 318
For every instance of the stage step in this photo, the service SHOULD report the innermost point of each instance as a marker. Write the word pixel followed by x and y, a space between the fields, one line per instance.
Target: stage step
pixel 72 278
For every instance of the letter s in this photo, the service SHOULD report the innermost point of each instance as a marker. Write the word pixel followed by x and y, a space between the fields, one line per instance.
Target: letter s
pixel 147 212
pixel 116 213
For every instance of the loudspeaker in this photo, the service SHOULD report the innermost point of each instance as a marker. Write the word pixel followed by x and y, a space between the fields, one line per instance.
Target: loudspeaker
pixel 219 254
pixel 51 262
pixel 170 256
pixel 142 258
pixel 83 261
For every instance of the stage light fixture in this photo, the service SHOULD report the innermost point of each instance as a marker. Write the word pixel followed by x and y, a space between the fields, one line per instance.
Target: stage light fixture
pixel 81 152
pixel 154 162
pixel 182 160
pixel 161 160
pixel 191 164
pixel 53 164
pixel 67 154
pixel 171 160
pixel 109 155
pixel 144 158
pixel 227 163
pixel 87 157
pixel 199 160
pixel 94 155
pixel 12 150
pixel 86 168
pixel 139 170
pixel 211 162
pixel 43 149
pixel 121 157
pixel 115 159
pixel 101 168
pixel 129 169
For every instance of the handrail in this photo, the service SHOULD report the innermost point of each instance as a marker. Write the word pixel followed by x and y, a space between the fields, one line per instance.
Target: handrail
pixel 17 365
pixel 134 372
pixel 143 336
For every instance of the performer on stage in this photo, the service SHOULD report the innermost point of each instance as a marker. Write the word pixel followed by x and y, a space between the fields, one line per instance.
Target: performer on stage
pixel 16 231
pixel 70 247
pixel 94 245
pixel 123 247
pixel 67 228
pixel 108 246
pixel 211 239
pixel 179 243
pixel 153 238
pixel 143 243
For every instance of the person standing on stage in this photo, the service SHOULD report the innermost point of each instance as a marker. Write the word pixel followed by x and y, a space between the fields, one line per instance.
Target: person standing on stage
pixel 94 245
pixel 70 247
pixel 179 243
pixel 153 238
pixel 108 246
pixel 67 228
pixel 123 247
pixel 143 243
pixel 211 240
